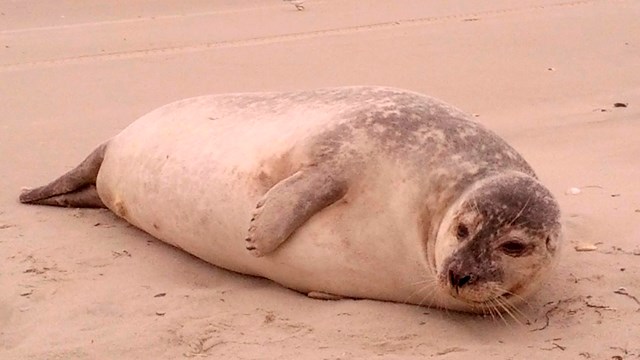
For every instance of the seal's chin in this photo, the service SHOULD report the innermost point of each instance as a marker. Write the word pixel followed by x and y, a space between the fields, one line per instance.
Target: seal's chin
pixel 489 294
pixel 493 304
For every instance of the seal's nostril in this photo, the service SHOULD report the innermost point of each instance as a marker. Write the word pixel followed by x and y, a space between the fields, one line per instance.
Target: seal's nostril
pixel 453 278
pixel 464 280
pixel 458 281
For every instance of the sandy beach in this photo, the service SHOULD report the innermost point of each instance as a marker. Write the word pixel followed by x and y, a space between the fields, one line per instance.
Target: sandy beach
pixel 559 80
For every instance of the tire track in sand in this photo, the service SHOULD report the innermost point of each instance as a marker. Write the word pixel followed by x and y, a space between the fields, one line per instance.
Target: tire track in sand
pixel 132 54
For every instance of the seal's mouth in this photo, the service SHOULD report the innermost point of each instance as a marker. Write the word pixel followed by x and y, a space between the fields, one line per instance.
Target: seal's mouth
pixel 479 294
pixel 489 301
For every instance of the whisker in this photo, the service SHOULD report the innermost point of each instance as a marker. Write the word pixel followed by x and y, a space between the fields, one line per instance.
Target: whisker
pixel 425 281
pixel 431 302
pixel 484 311
pixel 504 305
pixel 520 212
pixel 514 307
pixel 516 310
pixel 489 308
pixel 520 298
pixel 414 292
pixel 428 288
pixel 510 308
pixel 429 283
pixel 494 303
pixel 475 204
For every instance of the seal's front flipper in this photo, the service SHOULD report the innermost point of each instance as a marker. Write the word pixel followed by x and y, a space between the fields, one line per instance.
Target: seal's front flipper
pixel 76 188
pixel 287 205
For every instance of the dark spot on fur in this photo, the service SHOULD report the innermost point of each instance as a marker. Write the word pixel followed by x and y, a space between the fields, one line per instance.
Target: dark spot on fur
pixel 120 208
pixel 264 180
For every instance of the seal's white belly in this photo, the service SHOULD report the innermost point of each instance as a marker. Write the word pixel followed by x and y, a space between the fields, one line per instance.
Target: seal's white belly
pixel 191 176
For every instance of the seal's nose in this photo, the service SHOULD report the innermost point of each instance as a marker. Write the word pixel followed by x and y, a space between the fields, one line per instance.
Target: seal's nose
pixel 459 280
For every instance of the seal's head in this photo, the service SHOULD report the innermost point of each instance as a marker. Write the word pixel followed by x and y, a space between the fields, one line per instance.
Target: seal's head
pixel 497 241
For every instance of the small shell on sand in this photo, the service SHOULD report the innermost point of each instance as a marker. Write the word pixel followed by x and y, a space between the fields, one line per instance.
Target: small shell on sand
pixel 586 247
pixel 573 191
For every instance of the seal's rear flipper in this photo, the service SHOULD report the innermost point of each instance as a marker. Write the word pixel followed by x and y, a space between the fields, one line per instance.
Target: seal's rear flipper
pixel 291 202
pixel 76 188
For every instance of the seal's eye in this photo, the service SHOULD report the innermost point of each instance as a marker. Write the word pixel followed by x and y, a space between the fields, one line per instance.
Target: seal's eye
pixel 515 248
pixel 462 232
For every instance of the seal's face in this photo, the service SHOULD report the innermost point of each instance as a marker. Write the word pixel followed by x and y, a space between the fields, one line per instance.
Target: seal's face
pixel 496 242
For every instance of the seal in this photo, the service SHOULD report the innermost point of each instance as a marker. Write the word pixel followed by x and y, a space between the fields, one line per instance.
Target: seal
pixel 360 192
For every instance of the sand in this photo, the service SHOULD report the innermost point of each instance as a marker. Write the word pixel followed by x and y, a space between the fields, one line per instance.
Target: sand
pixel 82 284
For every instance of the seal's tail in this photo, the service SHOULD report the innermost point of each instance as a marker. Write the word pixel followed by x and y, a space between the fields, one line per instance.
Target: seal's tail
pixel 76 188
